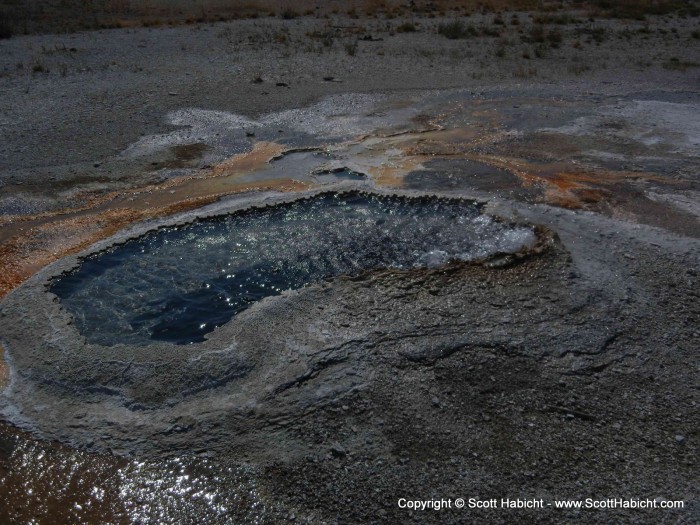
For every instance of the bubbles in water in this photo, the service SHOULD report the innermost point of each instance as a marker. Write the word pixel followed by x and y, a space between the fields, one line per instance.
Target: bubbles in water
pixel 178 284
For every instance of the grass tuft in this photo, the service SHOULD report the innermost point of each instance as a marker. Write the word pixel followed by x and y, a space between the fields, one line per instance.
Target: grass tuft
pixel 406 27
pixel 456 30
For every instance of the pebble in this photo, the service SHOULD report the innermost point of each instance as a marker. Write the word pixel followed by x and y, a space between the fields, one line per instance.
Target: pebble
pixel 338 451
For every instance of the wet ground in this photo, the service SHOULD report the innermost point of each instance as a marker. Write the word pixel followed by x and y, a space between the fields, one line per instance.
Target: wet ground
pixel 179 284
pixel 328 404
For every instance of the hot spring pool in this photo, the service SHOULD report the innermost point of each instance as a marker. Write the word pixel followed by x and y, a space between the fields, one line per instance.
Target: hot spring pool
pixel 177 284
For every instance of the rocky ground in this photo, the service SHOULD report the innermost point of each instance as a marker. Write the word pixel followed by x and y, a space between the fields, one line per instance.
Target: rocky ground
pixel 72 104
pixel 569 373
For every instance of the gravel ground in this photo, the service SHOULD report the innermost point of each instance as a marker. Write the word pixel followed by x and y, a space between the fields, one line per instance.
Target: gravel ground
pixel 71 104
pixel 566 374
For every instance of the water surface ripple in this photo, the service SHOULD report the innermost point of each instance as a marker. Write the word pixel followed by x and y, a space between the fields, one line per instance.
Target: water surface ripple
pixel 177 284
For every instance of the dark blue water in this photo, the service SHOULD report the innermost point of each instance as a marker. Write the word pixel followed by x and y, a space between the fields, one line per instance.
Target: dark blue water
pixel 178 284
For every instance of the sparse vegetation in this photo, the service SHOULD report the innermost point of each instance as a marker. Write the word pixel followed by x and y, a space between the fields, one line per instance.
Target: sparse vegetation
pixel 326 37
pixel 288 14
pixel 32 16
pixel 561 19
pixel 554 38
pixel 536 35
pixel 578 68
pixel 636 10
pixel 489 31
pixel 595 34
pixel 525 72
pixel 406 27
pixel 459 30
pixel 676 64
pixel 539 35
pixel 456 30
pixel 351 48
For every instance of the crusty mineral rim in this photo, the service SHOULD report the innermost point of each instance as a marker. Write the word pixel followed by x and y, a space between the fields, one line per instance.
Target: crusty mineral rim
pixel 47 306
pixel 233 206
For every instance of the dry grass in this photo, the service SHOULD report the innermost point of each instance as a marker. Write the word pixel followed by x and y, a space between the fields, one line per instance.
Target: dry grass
pixel 640 9
pixel 34 16
pixel 675 64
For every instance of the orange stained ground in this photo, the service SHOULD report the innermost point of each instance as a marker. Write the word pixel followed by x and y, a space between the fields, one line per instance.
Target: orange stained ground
pixel 29 243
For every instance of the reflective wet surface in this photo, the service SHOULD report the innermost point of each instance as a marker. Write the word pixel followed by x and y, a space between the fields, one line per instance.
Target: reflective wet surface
pixel 45 482
pixel 178 284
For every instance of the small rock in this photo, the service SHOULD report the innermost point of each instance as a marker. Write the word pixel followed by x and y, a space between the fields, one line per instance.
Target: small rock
pixel 435 401
pixel 680 439
pixel 338 451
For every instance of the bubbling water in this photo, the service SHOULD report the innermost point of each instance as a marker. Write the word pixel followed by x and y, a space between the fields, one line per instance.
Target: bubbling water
pixel 177 284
